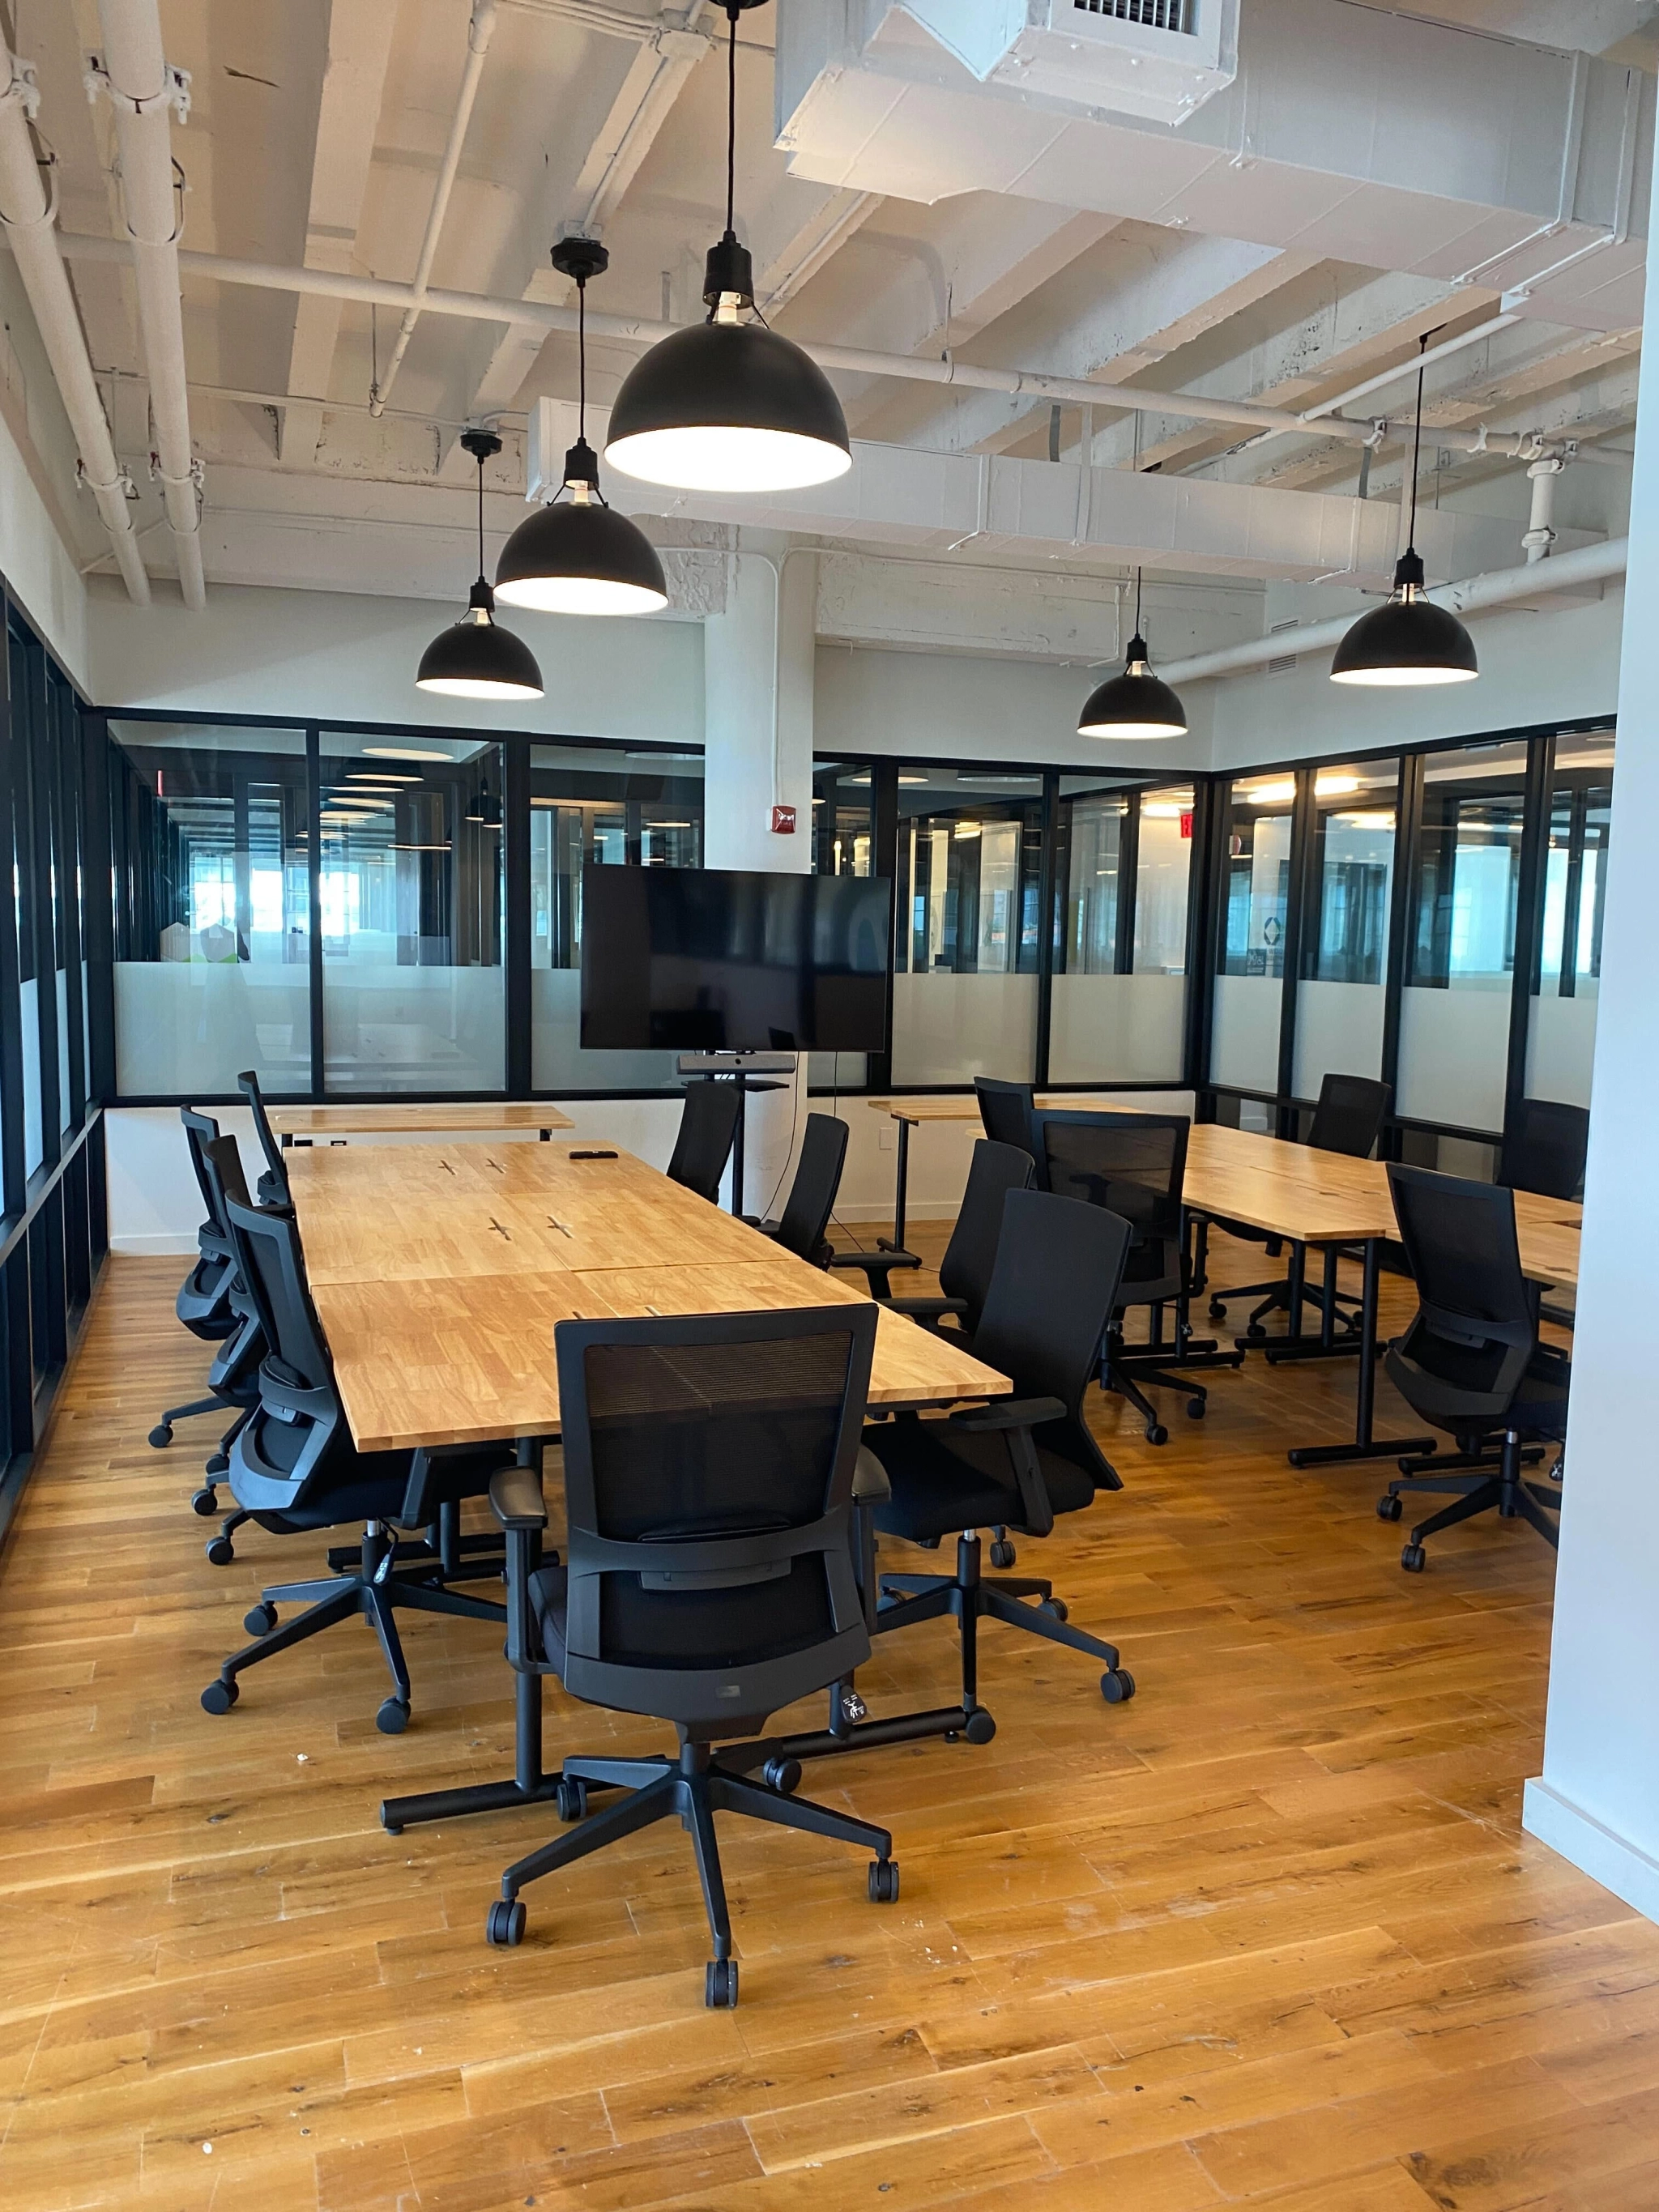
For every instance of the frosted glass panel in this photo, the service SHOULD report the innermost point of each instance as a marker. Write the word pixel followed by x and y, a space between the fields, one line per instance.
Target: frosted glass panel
pixel 948 1028
pixel 1244 1040
pixel 1454 1050
pixel 1116 1029
pixel 1339 1031
pixel 393 1028
pixel 1560 1047
pixel 557 1061
pixel 187 1028
pixel 1561 1035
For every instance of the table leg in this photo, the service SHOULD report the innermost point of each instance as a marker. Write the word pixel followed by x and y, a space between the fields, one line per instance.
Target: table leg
pixel 900 1183
pixel 737 1144
pixel 1297 1276
pixel 1364 1445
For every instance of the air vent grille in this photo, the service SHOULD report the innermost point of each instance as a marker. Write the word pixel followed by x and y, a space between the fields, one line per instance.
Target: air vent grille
pixel 1282 662
pixel 1154 15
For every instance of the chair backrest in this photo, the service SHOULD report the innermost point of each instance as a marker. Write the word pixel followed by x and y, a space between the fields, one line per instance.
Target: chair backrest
pixel 1134 1165
pixel 1058 1280
pixel 1475 1329
pixel 970 1257
pixel 273 1183
pixel 1005 1108
pixel 1350 1115
pixel 812 1197
pixel 1544 1149
pixel 708 1122
pixel 281 1454
pixel 203 1302
pixel 200 1130
pixel 708 1474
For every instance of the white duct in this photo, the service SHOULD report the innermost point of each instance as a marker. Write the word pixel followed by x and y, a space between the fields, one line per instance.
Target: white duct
pixel 141 91
pixel 858 360
pixel 1590 564
pixel 28 218
pixel 480 31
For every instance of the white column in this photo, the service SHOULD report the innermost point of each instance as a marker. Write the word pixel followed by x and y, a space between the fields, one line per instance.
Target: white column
pixel 1597 1801
pixel 758 660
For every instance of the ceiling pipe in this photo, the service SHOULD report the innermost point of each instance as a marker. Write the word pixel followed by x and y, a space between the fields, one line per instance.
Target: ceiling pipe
pixel 28 219
pixel 1589 564
pixel 1405 368
pixel 635 329
pixel 480 31
pixel 142 88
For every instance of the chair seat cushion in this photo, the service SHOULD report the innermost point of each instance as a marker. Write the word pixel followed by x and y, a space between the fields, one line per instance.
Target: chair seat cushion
pixel 373 1491
pixel 966 1483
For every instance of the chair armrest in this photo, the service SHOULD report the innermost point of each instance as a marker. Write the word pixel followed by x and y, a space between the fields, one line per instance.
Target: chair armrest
pixel 870 1483
pixel 515 1499
pixel 874 1262
pixel 928 1309
pixel 1010 1413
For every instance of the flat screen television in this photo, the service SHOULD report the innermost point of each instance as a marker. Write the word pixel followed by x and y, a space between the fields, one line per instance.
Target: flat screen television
pixel 724 960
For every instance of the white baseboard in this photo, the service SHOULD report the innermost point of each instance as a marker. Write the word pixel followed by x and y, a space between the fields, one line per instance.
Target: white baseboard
pixel 1621 1867
pixel 151 1248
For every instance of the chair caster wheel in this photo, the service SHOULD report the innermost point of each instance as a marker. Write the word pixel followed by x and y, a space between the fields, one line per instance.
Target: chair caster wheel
pixel 1218 1311
pixel 720 1986
pixel 259 1620
pixel 571 1797
pixel 204 1502
pixel 219 1697
pixel 884 1882
pixel 1055 1608
pixel 393 1827
pixel 1413 1559
pixel 1117 1686
pixel 1197 1408
pixel 1157 1434
pixel 927 1543
pixel 504 1928
pixel 1002 1552
pixel 979 1726
pixel 219 1464
pixel 1255 1332
pixel 392 1718
pixel 161 1435
pixel 220 1551
pixel 1388 1507
pixel 782 1775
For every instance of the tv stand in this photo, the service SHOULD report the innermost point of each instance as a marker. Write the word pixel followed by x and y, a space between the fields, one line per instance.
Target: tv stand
pixel 749 1071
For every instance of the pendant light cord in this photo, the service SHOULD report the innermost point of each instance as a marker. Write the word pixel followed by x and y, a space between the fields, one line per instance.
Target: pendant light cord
pixel 1417 444
pixel 1137 575
pixel 479 457
pixel 731 115
pixel 582 361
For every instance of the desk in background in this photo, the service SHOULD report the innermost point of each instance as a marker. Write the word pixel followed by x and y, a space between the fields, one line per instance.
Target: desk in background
pixel 308 1125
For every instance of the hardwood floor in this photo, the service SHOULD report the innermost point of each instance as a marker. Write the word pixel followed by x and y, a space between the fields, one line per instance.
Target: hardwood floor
pixel 1270 1933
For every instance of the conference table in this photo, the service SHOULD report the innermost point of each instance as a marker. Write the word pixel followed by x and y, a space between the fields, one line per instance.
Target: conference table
pixel 439 1272
pixel 1310 1199
pixel 307 1125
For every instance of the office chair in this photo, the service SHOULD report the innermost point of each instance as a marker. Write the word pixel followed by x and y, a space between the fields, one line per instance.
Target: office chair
pixel 1347 1118
pixel 1543 1150
pixel 272 1187
pixel 708 1469
pixel 1016 1463
pixel 812 1197
pixel 1005 1109
pixel 1134 1164
pixel 1471 1363
pixel 295 1470
pixel 969 1262
pixel 708 1122
pixel 213 1304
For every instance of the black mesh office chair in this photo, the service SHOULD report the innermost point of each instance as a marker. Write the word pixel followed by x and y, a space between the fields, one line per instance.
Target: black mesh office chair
pixel 214 1304
pixel 1544 1149
pixel 1016 1463
pixel 709 1467
pixel 1005 1108
pixel 295 1470
pixel 1471 1363
pixel 1135 1166
pixel 708 1122
pixel 1347 1118
pixel 811 1200
pixel 272 1187
pixel 965 1273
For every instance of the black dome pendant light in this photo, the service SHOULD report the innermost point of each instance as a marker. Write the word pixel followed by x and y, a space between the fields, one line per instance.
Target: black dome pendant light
pixel 1136 704
pixel 1407 640
pixel 728 406
pixel 474 659
pixel 583 558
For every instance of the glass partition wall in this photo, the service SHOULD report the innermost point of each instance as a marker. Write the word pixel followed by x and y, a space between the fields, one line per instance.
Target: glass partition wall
pixel 1561 1027
pixel 1343 967
pixel 1123 855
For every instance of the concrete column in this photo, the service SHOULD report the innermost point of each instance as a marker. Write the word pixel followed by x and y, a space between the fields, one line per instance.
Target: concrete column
pixel 759 661
pixel 1597 1801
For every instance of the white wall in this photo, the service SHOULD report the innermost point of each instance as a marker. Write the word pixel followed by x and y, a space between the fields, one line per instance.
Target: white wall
pixel 42 571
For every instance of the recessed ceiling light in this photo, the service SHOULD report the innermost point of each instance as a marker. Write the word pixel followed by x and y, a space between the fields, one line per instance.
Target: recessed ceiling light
pixel 406 752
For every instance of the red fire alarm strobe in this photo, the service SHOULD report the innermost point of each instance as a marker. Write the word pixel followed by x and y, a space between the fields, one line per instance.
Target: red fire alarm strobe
pixel 783 821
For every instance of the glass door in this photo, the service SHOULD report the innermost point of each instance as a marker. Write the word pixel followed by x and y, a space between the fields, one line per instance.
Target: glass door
pixel 1250 987
pixel 1345 936
pixel 1561 1024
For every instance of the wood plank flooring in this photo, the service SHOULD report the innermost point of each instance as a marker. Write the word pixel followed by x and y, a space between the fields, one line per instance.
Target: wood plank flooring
pixel 1269 1934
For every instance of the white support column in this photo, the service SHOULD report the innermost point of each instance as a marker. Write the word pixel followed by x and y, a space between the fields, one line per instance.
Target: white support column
pixel 758 659
pixel 1597 1801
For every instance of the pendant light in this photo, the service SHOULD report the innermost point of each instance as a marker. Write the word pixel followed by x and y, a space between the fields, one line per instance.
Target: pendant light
pixel 1136 704
pixel 474 659
pixel 1407 640
pixel 729 406
pixel 583 558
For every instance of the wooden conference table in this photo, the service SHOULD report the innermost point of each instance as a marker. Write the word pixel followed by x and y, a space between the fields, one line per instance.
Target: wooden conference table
pixel 305 1125
pixel 439 1272
pixel 1307 1198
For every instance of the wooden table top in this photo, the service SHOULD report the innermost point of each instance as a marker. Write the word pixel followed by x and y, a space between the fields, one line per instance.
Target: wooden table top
pixel 425 1118
pixel 439 1281
pixel 957 1109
